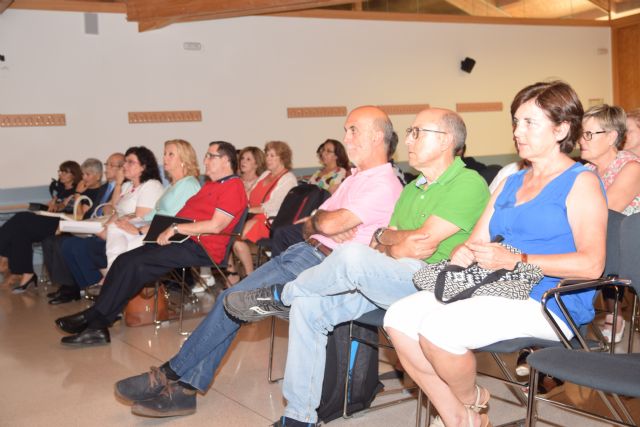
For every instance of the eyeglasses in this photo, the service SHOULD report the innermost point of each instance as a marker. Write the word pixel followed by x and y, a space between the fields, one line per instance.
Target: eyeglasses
pixel 415 132
pixel 64 171
pixel 588 135
pixel 208 155
pixel 113 165
pixel 132 162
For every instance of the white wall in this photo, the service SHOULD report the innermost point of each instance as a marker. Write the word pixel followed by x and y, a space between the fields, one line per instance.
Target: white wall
pixel 251 69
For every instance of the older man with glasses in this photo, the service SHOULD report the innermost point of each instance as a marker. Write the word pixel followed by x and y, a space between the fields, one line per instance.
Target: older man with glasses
pixel 435 213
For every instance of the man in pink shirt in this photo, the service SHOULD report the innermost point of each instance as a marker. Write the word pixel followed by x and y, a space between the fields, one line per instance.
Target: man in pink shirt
pixel 363 203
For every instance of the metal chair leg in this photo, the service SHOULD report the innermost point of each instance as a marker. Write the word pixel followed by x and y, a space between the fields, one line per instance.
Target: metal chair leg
pixel 272 342
pixel 182 286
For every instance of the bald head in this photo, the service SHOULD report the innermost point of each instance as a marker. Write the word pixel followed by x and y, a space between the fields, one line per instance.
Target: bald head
pixel 114 163
pixel 368 132
pixel 447 121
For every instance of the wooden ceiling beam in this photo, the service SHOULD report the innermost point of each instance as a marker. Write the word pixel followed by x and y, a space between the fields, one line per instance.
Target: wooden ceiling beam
pixel 179 10
pixel 602 4
pixel 4 4
pixel 71 5
pixel 478 7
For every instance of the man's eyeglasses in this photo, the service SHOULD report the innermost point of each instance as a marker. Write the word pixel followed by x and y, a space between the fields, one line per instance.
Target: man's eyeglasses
pixel 415 132
pixel 588 135
pixel 208 155
pixel 113 165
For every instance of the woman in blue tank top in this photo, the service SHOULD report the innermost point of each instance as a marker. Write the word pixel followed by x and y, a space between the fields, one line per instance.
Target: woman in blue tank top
pixel 555 212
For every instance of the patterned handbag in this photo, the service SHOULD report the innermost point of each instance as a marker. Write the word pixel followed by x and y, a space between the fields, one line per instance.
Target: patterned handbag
pixel 452 283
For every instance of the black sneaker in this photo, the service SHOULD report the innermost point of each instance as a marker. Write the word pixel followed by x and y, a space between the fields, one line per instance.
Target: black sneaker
pixel 290 422
pixel 141 387
pixel 174 400
pixel 251 306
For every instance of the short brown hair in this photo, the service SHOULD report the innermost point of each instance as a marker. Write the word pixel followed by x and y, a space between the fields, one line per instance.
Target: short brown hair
pixel 282 150
pixel 560 104
pixel 258 156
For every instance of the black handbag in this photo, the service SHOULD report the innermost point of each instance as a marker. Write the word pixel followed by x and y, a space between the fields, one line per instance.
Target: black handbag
pixel 452 283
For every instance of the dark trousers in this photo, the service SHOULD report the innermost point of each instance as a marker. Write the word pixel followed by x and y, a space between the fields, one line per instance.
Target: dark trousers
pixel 133 269
pixel 286 236
pixel 18 235
pixel 84 258
pixel 54 262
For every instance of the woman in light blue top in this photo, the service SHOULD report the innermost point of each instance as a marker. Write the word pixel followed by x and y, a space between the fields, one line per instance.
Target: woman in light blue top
pixel 181 166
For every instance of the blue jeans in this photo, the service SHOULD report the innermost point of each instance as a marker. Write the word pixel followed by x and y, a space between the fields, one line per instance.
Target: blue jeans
pixel 199 357
pixel 353 280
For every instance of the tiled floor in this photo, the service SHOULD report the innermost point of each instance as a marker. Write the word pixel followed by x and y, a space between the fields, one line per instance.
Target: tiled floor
pixel 45 384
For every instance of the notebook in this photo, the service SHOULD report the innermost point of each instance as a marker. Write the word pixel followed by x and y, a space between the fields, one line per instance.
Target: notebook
pixel 161 223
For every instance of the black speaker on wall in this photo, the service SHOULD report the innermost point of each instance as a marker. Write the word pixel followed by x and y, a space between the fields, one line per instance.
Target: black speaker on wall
pixel 467 64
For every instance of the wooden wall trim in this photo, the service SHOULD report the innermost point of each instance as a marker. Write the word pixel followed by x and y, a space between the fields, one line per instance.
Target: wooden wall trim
pixel 313 112
pixel 32 120
pixel 399 109
pixel 476 107
pixel 140 117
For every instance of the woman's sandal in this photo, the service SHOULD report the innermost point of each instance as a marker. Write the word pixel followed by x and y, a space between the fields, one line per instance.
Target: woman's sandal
pixel 472 409
pixel 479 405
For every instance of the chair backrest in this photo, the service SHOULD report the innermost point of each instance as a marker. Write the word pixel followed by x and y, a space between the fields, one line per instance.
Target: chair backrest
pixel 299 202
pixel 237 231
pixel 614 223
pixel 629 267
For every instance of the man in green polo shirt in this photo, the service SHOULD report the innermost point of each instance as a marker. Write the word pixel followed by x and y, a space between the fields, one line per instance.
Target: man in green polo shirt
pixel 435 213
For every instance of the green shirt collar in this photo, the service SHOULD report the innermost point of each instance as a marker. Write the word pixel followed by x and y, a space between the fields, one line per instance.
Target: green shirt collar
pixel 452 171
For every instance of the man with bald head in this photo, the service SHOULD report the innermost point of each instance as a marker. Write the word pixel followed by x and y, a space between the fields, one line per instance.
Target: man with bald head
pixel 363 203
pixel 435 213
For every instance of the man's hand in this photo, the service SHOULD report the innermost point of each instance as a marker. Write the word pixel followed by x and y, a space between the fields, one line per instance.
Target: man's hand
pixel 345 236
pixel 416 245
pixel 163 238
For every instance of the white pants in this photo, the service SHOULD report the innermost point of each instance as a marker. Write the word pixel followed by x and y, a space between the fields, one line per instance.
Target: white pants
pixel 119 241
pixel 471 323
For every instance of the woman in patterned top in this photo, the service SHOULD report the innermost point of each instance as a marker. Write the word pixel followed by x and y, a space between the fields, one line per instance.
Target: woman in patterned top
pixel 335 165
pixel 603 133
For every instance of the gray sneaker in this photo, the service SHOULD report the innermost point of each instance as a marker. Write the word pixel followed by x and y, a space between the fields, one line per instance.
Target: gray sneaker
pixel 141 387
pixel 174 400
pixel 258 304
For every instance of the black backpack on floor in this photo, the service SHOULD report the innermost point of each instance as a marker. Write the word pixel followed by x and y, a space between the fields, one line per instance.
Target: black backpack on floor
pixel 363 369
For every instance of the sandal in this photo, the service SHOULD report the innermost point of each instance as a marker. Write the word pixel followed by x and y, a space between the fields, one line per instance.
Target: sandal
pixel 473 408
pixel 479 405
pixel 484 419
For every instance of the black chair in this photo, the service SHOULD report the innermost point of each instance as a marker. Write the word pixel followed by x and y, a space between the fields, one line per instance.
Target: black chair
pixel 299 202
pixel 180 275
pixel 614 374
pixel 579 341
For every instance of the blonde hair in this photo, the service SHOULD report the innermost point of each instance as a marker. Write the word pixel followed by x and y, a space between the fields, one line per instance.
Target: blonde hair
pixel 282 150
pixel 187 156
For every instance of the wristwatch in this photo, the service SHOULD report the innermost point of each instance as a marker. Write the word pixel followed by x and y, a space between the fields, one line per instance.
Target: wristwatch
pixel 377 235
pixel 174 227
